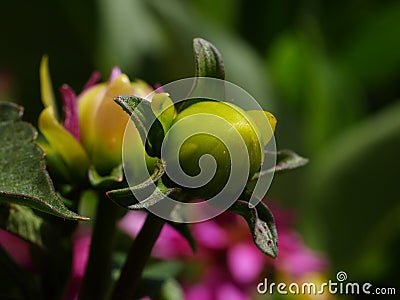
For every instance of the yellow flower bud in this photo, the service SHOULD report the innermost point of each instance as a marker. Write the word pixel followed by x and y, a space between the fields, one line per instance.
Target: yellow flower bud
pixel 99 121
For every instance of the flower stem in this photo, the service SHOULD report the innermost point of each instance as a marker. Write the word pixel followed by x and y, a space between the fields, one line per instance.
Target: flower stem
pixel 140 251
pixel 98 271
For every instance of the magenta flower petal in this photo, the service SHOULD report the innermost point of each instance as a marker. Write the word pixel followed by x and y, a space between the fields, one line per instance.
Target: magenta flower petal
pixel 93 80
pixel 245 262
pixel 79 261
pixel 296 259
pixel 17 248
pixel 210 234
pixel 132 222
pixel 198 292
pixel 229 291
pixel 115 72
pixel 158 88
pixel 71 113
pixel 171 244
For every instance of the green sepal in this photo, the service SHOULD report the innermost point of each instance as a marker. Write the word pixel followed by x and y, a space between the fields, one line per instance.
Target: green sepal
pixel 208 60
pixel 152 190
pixel 106 182
pixel 150 128
pixel 164 109
pixel 23 176
pixel 125 195
pixel 262 225
pixel 157 194
pixel 286 160
pixel 208 63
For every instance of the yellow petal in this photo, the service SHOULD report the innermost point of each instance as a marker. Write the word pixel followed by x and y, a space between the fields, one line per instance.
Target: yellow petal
pixel 108 127
pixel 88 105
pixel 63 143
pixel 264 122
pixel 46 87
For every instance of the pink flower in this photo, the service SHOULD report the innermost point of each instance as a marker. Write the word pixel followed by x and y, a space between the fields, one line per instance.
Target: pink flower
pixel 80 255
pixel 296 260
pixel 245 262
pixel 170 243
pixel 229 264
pixel 17 248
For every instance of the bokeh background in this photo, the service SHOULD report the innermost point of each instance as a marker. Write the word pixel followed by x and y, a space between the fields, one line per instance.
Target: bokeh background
pixel 329 71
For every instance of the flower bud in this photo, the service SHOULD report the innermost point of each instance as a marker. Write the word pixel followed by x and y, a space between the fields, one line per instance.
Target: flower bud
pixel 93 127
pixel 202 143
pixel 103 122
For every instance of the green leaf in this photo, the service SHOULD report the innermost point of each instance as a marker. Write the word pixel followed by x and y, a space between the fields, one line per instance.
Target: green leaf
pixel 22 222
pixel 262 225
pixel 106 182
pixel 163 269
pixel 170 290
pixel 150 128
pixel 160 289
pixel 208 60
pixel 23 176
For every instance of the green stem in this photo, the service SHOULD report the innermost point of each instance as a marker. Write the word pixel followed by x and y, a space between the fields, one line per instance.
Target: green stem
pixel 97 278
pixel 138 255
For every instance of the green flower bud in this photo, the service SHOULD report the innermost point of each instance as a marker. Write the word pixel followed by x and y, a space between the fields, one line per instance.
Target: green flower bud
pixel 201 143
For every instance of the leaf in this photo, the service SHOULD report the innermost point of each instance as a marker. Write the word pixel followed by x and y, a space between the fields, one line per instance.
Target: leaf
pixel 22 222
pixel 262 226
pixel 150 128
pixel 23 176
pixel 164 288
pixel 170 290
pixel 163 269
pixel 106 182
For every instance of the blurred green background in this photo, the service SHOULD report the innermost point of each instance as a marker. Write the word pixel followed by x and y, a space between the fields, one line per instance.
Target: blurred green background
pixel 329 71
